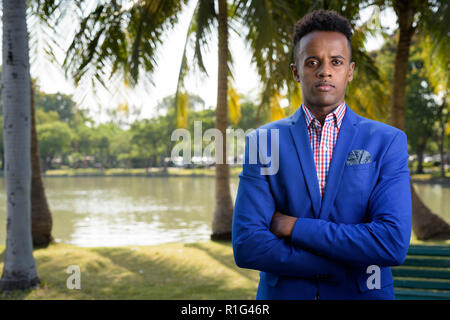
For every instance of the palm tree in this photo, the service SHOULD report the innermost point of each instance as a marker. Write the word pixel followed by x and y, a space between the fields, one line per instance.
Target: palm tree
pixel 426 17
pixel 204 19
pixel 41 216
pixel 223 214
pixel 126 39
pixel 19 270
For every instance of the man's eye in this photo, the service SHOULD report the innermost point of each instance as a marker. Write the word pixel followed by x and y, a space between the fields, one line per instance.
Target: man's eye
pixel 337 62
pixel 311 63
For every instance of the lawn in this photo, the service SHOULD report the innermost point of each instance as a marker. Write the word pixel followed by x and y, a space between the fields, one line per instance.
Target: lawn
pixel 202 270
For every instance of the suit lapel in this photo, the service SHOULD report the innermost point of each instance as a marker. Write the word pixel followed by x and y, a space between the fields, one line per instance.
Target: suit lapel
pixel 343 146
pixel 303 147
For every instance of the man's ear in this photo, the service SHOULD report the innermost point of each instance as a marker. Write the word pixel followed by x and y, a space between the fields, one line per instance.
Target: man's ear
pixel 350 73
pixel 295 72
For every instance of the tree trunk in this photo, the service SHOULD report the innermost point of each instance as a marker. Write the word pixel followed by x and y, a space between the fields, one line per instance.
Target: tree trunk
pixel 223 214
pixel 405 15
pixel 41 217
pixel 19 270
pixel 420 152
pixel 425 224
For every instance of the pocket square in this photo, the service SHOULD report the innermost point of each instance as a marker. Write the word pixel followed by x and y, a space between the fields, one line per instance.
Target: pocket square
pixel 358 157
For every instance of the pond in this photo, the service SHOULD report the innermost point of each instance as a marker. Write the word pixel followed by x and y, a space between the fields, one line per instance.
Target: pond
pixel 117 211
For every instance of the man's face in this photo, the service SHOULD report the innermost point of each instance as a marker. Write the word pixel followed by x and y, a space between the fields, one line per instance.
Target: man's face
pixel 323 67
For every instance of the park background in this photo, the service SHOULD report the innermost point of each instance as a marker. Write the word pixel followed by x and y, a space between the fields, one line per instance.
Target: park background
pixel 111 81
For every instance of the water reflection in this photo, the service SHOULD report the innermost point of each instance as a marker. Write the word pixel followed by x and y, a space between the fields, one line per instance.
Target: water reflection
pixel 118 211
pixel 436 197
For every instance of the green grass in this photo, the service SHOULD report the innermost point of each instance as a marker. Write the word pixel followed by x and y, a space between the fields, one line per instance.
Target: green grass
pixel 428 242
pixel 429 176
pixel 203 270
pixel 435 173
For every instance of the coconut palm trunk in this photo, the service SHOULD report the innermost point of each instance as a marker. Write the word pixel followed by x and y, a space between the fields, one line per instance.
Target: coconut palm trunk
pixel 425 223
pixel 41 217
pixel 19 270
pixel 223 214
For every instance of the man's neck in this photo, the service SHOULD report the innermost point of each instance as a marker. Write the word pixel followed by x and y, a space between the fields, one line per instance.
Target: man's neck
pixel 320 113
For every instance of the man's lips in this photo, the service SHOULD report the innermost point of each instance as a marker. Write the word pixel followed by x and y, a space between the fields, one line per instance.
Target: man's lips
pixel 324 86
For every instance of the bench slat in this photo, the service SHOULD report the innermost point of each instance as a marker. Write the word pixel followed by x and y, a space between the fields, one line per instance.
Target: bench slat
pixel 420 273
pixel 421 294
pixel 429 250
pixel 422 284
pixel 427 262
pixel 418 297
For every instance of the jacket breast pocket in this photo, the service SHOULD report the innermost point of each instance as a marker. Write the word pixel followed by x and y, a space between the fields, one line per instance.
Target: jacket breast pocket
pixel 359 173
pixel 355 188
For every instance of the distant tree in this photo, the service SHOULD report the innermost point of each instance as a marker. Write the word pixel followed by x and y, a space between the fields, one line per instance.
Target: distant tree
pixel 251 118
pixel 422 110
pixel 45 117
pixel 55 140
pixel 84 139
pixel 62 104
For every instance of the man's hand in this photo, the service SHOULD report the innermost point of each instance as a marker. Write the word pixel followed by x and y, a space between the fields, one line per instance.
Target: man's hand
pixel 282 224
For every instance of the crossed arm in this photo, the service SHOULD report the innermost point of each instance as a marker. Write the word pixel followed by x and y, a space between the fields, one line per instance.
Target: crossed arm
pixel 255 247
pixel 267 240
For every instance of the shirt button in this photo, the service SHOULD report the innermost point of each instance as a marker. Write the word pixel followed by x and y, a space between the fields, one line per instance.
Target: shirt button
pixel 325 148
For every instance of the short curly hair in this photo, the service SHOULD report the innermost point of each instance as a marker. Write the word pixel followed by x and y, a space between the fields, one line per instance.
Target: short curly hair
pixel 322 20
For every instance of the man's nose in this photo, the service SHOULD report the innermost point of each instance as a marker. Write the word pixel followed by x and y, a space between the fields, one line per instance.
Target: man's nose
pixel 324 70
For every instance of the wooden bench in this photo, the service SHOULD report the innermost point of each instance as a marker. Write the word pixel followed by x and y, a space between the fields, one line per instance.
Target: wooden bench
pixel 425 274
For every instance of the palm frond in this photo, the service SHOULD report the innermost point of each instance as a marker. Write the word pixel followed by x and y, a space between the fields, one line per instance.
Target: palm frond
pixel 124 37
pixel 234 105
pixel 205 18
pixel 184 69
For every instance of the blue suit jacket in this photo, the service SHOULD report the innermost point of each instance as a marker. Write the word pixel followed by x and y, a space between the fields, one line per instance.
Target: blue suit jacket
pixel 363 219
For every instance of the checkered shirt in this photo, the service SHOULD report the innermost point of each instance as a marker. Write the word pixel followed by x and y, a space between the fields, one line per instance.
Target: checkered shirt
pixel 323 139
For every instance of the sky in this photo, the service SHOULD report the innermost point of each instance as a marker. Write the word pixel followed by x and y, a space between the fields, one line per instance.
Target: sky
pixel 145 97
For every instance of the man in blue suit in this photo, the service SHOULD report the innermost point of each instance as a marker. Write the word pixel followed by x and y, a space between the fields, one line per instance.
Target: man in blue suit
pixel 325 209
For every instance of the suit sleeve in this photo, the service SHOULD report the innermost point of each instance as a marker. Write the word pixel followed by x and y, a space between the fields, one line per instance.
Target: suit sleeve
pixel 382 241
pixel 255 247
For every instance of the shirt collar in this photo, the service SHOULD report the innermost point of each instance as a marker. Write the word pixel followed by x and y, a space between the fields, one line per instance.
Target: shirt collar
pixel 336 115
